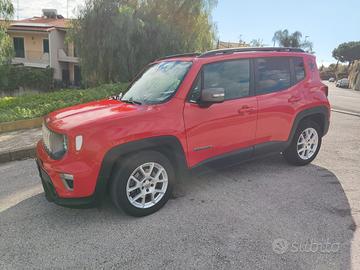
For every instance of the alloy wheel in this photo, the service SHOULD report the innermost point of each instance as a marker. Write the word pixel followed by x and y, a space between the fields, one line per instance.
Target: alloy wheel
pixel 147 185
pixel 307 143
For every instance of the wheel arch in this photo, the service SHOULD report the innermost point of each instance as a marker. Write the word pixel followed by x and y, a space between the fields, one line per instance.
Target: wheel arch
pixel 318 114
pixel 170 146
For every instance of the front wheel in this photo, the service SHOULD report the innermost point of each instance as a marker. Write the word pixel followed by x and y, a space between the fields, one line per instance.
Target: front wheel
pixel 305 144
pixel 143 183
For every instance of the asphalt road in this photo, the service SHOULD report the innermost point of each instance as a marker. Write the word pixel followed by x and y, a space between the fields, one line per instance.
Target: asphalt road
pixel 343 99
pixel 259 215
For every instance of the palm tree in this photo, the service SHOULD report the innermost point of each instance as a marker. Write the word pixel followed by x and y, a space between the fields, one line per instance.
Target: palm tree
pixel 285 39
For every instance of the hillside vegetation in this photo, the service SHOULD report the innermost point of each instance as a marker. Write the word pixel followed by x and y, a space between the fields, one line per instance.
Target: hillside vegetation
pixel 36 105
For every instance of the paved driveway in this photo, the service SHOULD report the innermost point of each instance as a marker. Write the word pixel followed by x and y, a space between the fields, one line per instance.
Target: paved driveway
pixel 343 99
pixel 259 215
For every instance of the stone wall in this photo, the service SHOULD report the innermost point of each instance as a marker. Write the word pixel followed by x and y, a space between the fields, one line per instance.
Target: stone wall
pixel 354 76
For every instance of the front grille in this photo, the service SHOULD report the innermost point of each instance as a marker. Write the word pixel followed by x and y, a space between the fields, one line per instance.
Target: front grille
pixel 54 143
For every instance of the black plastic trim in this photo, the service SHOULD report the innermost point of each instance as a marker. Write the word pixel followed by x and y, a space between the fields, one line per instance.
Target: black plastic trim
pixel 168 144
pixel 268 148
pixel 250 49
pixel 323 110
pixel 240 155
pixel 178 56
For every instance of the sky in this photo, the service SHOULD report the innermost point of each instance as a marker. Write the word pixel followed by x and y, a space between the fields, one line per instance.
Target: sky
pixel 327 22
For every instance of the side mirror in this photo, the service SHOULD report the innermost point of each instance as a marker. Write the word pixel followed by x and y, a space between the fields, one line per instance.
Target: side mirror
pixel 212 95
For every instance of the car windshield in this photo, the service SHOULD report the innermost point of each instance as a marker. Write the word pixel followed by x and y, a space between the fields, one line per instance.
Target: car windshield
pixel 158 83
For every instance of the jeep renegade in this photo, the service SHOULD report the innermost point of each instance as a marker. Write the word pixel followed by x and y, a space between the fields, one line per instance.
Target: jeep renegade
pixel 181 112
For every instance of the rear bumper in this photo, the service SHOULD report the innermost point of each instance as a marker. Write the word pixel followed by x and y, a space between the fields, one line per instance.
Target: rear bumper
pixel 326 124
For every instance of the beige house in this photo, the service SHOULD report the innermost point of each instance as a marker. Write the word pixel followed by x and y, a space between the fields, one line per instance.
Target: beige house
pixel 40 42
pixel 227 45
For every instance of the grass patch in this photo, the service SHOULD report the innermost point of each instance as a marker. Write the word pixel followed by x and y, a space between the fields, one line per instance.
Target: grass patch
pixel 36 105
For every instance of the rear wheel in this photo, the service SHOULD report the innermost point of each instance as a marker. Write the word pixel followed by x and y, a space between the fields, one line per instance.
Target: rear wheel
pixel 305 144
pixel 143 183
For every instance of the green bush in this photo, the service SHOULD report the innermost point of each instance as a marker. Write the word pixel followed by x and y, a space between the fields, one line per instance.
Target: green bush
pixel 36 105
pixel 12 77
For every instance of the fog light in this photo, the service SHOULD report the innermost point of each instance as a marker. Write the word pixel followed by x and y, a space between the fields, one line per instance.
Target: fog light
pixel 68 181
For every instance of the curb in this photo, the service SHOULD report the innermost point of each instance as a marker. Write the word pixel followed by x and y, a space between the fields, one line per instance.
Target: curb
pixel 21 124
pixel 19 154
pixel 346 112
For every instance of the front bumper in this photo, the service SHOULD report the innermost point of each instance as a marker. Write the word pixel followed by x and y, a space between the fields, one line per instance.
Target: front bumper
pixel 83 195
pixel 52 196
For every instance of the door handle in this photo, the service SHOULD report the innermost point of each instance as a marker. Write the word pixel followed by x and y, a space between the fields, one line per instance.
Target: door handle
pixel 246 109
pixel 294 99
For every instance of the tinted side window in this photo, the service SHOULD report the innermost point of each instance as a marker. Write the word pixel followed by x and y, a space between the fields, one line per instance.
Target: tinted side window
pixel 272 74
pixel 299 68
pixel 233 76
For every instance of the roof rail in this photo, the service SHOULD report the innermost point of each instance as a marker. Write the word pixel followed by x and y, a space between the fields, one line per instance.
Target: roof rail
pixel 249 49
pixel 179 55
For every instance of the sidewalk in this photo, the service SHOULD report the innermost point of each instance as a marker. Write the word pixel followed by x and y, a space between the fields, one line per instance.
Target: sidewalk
pixel 17 145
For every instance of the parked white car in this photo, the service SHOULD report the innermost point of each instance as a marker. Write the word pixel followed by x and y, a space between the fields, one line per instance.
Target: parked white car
pixel 332 79
pixel 343 83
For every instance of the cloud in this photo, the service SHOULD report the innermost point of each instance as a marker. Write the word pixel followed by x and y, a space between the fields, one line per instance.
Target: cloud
pixel 31 8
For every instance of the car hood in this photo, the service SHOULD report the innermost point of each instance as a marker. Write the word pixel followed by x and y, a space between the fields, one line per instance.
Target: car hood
pixel 79 115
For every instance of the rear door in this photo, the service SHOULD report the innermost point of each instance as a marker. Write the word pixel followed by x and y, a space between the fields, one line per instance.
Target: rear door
pixel 223 127
pixel 279 84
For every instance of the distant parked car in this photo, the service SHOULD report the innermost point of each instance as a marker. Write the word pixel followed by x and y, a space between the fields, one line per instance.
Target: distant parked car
pixel 332 79
pixel 343 83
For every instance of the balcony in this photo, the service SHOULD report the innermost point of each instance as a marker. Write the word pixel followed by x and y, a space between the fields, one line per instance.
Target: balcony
pixel 64 56
pixel 33 59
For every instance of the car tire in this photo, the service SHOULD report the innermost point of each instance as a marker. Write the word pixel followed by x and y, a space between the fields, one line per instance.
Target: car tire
pixel 143 183
pixel 304 148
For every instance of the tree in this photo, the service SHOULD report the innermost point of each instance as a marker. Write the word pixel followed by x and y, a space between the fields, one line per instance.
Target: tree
pixel 347 52
pixel 293 40
pixel 116 38
pixel 257 43
pixel 6 48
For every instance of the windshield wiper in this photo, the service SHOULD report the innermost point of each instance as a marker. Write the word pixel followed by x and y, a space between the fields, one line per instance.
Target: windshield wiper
pixel 117 97
pixel 131 101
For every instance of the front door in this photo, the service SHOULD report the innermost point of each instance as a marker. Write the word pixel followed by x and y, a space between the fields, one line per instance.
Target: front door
pixel 223 127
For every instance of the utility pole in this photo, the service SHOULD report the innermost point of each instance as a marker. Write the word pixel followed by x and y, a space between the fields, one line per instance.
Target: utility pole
pixel 240 39
pixel 17 9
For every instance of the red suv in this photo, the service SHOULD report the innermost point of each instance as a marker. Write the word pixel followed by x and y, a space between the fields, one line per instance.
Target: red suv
pixel 181 112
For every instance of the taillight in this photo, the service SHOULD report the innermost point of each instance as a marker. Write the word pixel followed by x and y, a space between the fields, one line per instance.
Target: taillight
pixel 325 89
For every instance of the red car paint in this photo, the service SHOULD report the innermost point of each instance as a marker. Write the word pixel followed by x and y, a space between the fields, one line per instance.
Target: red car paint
pixel 216 130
